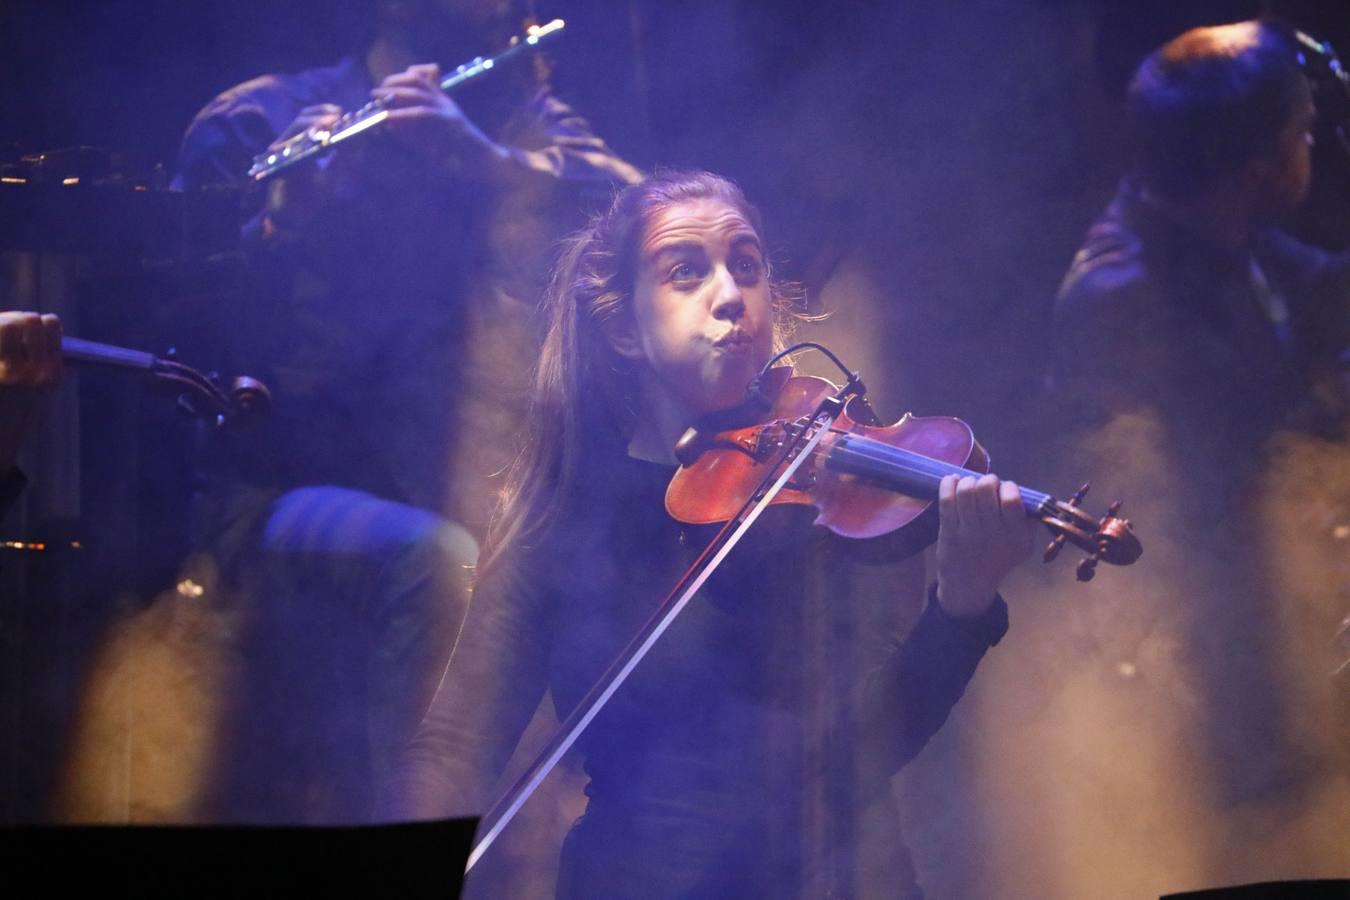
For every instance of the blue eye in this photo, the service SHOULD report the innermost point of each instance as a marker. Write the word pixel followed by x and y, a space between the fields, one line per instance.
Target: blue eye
pixel 683 272
pixel 748 267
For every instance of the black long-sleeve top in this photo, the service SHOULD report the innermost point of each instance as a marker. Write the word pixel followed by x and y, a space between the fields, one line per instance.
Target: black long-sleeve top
pixel 704 766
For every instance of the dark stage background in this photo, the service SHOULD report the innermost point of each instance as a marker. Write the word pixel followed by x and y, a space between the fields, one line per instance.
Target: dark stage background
pixel 976 142
pixel 927 170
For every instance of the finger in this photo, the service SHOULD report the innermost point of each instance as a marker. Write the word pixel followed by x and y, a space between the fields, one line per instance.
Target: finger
pixel 401 79
pixel 1015 515
pixel 302 124
pixel 15 321
pixel 31 350
pixel 312 123
pixel 318 110
pixel 987 502
pixel 411 95
pixel 426 72
pixel 967 504
pixel 11 342
pixel 407 114
pixel 52 330
pixel 427 76
pixel 947 512
pixel 327 123
pixel 1010 507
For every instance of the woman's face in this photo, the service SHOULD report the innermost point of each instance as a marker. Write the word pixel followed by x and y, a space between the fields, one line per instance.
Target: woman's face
pixel 702 309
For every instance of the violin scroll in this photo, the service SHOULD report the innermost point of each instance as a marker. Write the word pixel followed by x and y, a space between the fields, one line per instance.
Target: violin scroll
pixel 1106 539
pixel 246 400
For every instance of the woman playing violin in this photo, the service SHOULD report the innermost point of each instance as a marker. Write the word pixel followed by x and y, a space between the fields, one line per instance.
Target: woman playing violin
pixel 749 753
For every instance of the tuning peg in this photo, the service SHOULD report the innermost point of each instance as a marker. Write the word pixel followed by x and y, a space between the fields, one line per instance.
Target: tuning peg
pixel 1087 567
pixel 249 398
pixel 1052 549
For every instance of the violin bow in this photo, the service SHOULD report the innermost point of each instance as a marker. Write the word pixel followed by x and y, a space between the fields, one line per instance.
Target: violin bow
pixel 796 452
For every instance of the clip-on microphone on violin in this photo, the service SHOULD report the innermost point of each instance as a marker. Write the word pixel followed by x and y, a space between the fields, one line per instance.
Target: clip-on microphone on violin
pixel 755 394
pixel 759 399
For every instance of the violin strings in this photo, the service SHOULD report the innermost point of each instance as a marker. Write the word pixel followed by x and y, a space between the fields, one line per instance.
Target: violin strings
pixel 887 462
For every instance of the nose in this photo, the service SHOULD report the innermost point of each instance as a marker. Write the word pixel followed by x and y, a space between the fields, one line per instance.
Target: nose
pixel 728 302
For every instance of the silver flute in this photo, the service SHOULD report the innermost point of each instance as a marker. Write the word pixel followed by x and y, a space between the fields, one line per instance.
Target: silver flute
pixel 315 140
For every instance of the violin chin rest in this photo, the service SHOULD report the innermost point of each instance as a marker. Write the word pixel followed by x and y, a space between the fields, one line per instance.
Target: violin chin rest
pixel 689 447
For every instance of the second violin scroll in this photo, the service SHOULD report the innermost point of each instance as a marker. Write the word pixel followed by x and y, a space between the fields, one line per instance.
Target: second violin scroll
pixel 246 399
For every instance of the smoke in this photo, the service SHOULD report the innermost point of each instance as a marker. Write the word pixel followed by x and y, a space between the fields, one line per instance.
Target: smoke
pixel 1168 726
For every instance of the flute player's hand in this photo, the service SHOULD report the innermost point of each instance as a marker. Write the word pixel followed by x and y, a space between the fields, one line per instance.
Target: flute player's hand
pixel 30 363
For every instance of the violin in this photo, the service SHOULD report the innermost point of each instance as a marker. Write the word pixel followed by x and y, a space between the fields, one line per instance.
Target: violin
pixel 865 479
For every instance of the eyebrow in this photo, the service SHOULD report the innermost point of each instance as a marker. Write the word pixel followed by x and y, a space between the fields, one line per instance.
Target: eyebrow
pixel 677 247
pixel 752 239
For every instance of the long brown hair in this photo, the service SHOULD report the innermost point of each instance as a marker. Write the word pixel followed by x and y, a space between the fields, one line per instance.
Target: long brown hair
pixel 585 393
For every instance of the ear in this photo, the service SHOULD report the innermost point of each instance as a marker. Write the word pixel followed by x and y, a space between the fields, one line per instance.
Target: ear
pixel 622 333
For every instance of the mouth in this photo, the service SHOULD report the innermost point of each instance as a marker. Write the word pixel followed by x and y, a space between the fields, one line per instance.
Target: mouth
pixel 735 340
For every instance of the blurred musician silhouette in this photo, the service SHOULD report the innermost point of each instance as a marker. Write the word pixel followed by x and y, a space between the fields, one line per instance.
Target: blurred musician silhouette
pixel 387 300
pixel 1205 348
pixel 1186 296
